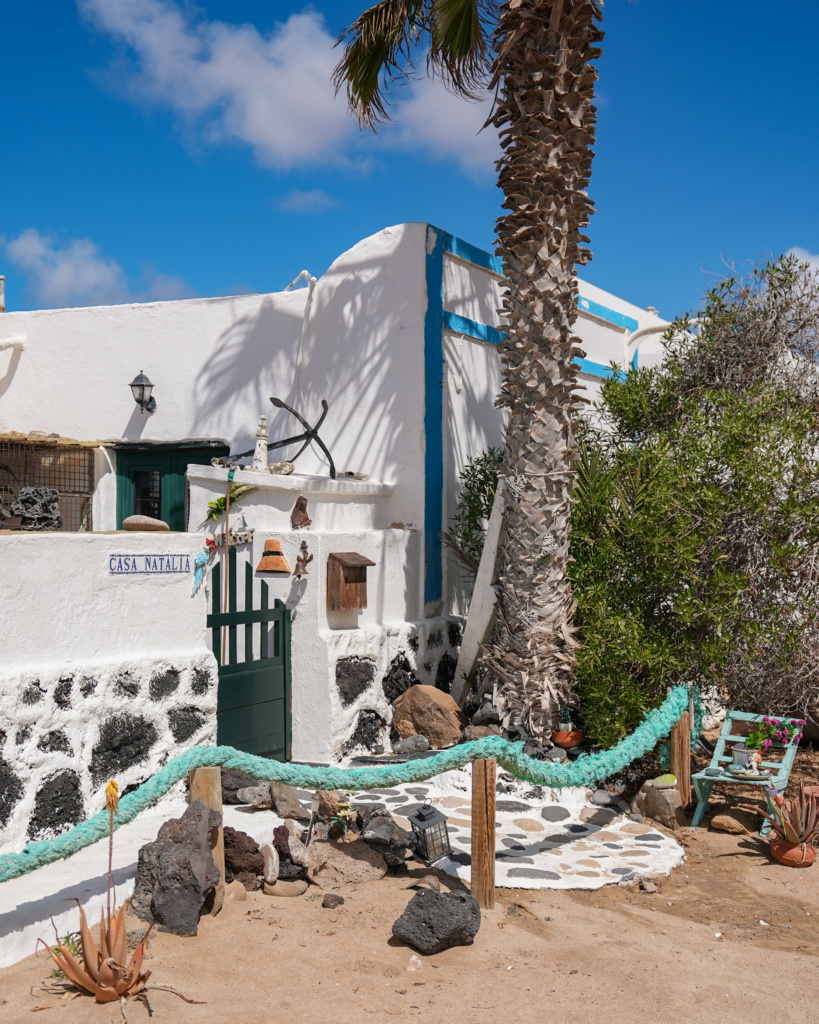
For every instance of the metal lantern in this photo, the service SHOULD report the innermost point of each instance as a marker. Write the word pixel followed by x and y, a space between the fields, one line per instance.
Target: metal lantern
pixel 430 832
pixel 141 389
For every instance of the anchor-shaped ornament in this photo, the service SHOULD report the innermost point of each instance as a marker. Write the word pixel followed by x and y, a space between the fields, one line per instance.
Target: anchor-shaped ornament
pixel 302 562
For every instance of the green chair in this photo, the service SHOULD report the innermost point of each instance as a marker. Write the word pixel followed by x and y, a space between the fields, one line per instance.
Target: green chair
pixel 703 784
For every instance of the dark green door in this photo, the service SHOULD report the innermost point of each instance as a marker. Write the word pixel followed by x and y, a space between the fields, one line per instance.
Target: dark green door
pixel 151 481
pixel 253 709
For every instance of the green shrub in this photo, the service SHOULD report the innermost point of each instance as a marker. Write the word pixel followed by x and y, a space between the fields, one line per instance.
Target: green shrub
pixel 696 515
pixel 695 518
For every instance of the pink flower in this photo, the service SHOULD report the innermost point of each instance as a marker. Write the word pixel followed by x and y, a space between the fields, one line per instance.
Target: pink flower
pixel 765 744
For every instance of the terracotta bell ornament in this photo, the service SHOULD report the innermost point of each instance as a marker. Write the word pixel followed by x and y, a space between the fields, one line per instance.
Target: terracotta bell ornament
pixel 272 559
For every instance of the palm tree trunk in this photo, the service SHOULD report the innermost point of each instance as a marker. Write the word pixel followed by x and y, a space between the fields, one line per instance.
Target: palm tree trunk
pixel 547 121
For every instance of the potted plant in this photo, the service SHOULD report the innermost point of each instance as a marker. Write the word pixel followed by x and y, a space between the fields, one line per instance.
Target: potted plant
pixel 764 734
pixel 565 735
pixel 796 824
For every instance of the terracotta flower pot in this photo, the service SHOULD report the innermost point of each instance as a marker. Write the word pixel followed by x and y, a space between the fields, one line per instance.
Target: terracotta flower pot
pixel 568 739
pixel 794 855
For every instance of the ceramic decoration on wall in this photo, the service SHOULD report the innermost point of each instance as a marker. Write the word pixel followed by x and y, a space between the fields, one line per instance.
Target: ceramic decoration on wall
pixel 347 580
pixel 272 559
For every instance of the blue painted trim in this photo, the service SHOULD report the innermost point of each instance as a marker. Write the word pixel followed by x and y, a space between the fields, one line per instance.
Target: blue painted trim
pixel 597 369
pixel 483 332
pixel 433 416
pixel 463 325
pixel 481 258
pixel 604 313
pixel 472 254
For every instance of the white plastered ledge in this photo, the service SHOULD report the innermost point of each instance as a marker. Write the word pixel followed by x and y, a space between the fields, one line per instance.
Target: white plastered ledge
pixel 298 483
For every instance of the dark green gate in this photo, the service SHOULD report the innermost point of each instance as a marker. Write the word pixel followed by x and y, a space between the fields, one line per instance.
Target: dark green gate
pixel 253 712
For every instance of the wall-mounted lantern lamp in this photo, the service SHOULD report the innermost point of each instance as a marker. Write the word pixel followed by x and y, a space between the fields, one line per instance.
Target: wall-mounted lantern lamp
pixel 141 389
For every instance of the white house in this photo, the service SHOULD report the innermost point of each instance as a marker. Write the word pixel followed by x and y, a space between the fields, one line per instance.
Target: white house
pixel 400 338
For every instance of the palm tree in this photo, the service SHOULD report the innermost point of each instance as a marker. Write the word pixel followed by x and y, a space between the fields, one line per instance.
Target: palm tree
pixel 537 55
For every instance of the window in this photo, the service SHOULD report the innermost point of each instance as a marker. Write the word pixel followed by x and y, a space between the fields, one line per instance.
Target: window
pixel 66 468
pixel 148 493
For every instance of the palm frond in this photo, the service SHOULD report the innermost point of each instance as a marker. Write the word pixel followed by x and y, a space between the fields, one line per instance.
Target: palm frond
pixel 461 52
pixel 380 46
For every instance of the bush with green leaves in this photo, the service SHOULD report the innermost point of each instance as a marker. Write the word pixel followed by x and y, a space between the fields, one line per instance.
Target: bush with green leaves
pixel 695 522
pixel 696 516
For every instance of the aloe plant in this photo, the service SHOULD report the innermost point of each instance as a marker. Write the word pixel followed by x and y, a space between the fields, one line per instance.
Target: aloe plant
pixel 795 821
pixel 102 972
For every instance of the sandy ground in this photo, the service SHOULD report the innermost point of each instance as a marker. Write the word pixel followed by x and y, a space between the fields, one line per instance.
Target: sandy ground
pixel 610 955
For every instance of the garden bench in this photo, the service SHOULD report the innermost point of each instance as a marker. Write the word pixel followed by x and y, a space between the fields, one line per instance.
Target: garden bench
pixel 781 770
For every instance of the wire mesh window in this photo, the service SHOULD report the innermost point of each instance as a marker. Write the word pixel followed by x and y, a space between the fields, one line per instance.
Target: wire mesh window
pixel 68 469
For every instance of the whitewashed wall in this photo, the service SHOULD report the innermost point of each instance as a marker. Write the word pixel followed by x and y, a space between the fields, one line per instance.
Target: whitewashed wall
pixel 333 651
pixel 102 675
pixel 214 363
pixel 364 353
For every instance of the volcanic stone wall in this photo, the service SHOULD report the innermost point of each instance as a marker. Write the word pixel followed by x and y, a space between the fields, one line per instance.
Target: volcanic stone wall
pixel 64 732
pixel 386 662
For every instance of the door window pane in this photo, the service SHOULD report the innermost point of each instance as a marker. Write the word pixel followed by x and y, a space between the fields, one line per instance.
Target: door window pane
pixel 148 493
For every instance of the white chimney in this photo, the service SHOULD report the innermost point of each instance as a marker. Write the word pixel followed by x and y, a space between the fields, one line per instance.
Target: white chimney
pixel 2 294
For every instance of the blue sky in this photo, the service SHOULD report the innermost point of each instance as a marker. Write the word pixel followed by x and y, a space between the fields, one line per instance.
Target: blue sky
pixel 157 149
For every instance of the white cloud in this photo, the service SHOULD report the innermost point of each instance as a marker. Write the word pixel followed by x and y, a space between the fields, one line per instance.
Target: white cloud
pixel 804 255
pixel 78 274
pixel 273 91
pixel 314 200
pixel 448 128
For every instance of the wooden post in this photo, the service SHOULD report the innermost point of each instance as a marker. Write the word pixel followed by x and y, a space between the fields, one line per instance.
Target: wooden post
pixel 206 785
pixel 483 833
pixel 680 743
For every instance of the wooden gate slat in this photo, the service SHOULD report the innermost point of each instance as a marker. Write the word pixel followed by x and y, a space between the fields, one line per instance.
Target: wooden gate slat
pixel 233 657
pixel 264 629
pixel 248 608
pixel 216 590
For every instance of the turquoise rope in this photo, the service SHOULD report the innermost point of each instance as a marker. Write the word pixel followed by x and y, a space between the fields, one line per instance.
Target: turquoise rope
pixel 584 771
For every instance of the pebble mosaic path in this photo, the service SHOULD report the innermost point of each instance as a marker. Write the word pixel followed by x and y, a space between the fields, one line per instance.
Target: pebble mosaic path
pixel 544 838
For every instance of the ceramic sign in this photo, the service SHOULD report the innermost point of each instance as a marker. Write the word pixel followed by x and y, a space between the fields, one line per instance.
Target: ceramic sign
pixel 152 565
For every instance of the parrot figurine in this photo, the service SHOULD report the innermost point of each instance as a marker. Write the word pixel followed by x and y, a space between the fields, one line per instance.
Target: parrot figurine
pixel 201 561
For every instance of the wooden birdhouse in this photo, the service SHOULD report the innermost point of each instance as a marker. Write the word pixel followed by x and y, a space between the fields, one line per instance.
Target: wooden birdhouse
pixel 347 580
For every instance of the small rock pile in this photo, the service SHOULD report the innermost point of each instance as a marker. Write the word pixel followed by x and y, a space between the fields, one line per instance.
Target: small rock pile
pixel 374 843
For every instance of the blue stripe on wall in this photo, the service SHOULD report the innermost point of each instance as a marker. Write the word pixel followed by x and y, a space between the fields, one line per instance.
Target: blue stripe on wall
pixel 481 258
pixel 463 325
pixel 433 416
pixel 472 254
pixel 597 369
pixel 483 332
pixel 609 315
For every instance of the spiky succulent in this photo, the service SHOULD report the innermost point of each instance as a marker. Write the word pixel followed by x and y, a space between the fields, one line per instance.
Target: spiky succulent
pixel 796 821
pixel 103 972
